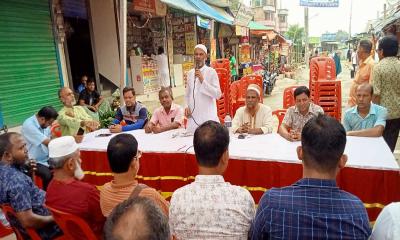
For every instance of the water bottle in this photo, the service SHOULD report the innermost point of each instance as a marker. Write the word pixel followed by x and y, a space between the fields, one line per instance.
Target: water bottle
pixel 228 121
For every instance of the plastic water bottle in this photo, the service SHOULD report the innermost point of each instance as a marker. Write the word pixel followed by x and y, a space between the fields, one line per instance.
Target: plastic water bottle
pixel 228 121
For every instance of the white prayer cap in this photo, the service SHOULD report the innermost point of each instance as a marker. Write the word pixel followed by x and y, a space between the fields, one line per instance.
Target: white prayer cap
pixel 202 47
pixel 62 146
pixel 255 88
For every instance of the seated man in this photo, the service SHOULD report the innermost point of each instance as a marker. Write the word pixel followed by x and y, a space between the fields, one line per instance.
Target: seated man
pixel 37 135
pixel 314 207
pixel 387 225
pixel 132 116
pixel 123 158
pixel 365 119
pixel 90 99
pixel 255 117
pixel 298 115
pixel 71 117
pixel 210 208
pixel 82 199
pixel 18 190
pixel 167 117
pixel 137 218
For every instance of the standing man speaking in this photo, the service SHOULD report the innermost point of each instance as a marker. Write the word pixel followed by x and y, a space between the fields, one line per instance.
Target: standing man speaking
pixel 202 91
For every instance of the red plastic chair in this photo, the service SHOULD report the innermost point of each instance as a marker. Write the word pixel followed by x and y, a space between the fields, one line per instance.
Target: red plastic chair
pixel 222 63
pixel 10 214
pixel 224 83
pixel 72 225
pixel 236 97
pixel 280 114
pixel 288 97
pixel 221 111
pixel 252 79
pixel 38 181
pixel 5 230
pixel 56 130
pixel 322 68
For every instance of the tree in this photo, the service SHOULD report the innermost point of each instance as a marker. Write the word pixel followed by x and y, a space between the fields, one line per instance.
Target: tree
pixel 341 36
pixel 296 34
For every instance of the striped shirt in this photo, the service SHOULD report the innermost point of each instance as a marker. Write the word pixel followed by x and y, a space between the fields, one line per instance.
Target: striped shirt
pixel 310 209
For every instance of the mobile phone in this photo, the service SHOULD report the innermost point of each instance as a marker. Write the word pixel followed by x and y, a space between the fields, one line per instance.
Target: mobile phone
pixel 241 136
pixel 80 132
pixel 104 135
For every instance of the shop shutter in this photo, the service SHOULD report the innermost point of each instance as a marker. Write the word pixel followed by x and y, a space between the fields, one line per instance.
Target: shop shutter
pixel 29 77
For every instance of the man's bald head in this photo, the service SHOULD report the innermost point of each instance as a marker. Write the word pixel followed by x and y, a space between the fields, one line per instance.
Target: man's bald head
pixel 66 96
pixel 137 219
pixel 367 87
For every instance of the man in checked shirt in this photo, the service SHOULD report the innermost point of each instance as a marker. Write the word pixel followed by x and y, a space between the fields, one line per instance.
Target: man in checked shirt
pixel 314 207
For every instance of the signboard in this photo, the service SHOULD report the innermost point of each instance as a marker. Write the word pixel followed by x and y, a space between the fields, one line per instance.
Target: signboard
pixel 145 6
pixel 319 3
pixel 190 42
pixel 241 31
pixel 203 22
pixel 213 52
pixel 244 53
pixel 243 15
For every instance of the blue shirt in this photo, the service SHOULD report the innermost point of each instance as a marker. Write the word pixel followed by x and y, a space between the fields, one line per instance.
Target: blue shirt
pixel 81 87
pixel 34 135
pixel 134 117
pixel 353 121
pixel 310 209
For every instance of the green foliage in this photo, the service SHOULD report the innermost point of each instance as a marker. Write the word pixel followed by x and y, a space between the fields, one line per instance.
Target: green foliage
pixel 296 34
pixel 106 118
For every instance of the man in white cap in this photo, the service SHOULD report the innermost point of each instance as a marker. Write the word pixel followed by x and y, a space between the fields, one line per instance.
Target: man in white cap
pixel 202 91
pixel 66 192
pixel 255 117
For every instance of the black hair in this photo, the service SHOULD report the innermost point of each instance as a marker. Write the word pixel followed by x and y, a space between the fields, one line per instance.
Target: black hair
pixel 389 46
pixel 323 140
pixel 166 89
pixel 48 113
pixel 366 45
pixel 160 50
pixel 128 89
pixel 90 80
pixel 145 211
pixel 210 141
pixel 120 152
pixel 301 90
pixel 5 142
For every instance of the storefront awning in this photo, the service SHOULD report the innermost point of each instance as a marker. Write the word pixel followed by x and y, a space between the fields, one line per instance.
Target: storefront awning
pixel 198 7
pixel 257 26
pixel 223 13
pixel 207 10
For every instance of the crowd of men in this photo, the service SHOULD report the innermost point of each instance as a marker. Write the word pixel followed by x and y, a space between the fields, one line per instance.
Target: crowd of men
pixel 209 207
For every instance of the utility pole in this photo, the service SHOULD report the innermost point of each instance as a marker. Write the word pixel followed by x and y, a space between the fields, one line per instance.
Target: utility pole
pixel 351 13
pixel 306 33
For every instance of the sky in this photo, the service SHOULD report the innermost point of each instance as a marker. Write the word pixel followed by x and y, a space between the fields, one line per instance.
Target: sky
pixel 323 20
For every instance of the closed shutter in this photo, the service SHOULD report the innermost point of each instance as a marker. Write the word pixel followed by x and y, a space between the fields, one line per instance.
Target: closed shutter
pixel 29 77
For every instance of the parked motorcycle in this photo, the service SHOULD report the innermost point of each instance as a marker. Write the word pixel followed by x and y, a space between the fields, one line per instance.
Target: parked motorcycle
pixel 269 80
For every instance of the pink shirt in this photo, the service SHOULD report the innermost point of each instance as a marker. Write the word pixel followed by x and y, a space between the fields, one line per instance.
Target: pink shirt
pixel 161 118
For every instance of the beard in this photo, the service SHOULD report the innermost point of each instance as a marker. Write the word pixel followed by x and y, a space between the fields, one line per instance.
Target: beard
pixel 78 173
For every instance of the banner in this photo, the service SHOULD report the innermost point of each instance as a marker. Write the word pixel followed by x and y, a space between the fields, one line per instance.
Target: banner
pixel 203 22
pixel 213 52
pixel 145 6
pixel 243 15
pixel 244 53
pixel 190 42
pixel 319 3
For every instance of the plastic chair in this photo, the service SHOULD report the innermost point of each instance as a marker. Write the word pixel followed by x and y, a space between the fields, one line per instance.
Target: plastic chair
pixel 236 97
pixel 280 114
pixel 56 130
pixel 288 97
pixel 5 230
pixel 221 111
pixel 252 79
pixel 10 215
pixel 222 63
pixel 70 223
pixel 322 68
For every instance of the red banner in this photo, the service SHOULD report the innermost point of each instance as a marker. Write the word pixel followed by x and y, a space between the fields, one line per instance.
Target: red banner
pixel 145 6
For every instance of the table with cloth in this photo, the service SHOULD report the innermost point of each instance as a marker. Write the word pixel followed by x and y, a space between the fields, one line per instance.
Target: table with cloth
pixel 257 163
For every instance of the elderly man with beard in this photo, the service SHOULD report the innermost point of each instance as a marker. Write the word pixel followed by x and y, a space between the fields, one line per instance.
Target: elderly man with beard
pixel 83 199
pixel 71 117
pixel 255 117
pixel 201 91
pixel 167 117
pixel 18 190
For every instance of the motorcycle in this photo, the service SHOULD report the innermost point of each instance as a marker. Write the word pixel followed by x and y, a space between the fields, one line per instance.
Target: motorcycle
pixel 269 80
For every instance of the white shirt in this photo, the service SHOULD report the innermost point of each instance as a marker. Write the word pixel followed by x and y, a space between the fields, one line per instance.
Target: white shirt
pixel 210 208
pixel 354 58
pixel 387 225
pixel 202 105
pixel 263 119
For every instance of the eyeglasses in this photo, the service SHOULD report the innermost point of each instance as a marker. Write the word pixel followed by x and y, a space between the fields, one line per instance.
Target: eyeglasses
pixel 138 155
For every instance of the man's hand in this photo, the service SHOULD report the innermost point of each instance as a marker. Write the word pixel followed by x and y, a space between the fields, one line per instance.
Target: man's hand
pixel 244 128
pixel 92 125
pixel 294 135
pixel 92 108
pixel 157 129
pixel 32 164
pixel 188 113
pixel 148 128
pixel 198 74
pixel 115 128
